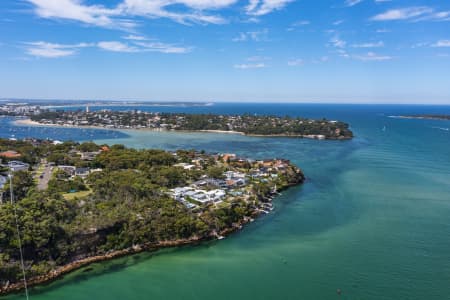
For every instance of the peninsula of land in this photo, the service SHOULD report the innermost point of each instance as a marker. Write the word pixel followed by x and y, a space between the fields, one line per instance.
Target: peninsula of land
pixel 82 203
pixel 245 124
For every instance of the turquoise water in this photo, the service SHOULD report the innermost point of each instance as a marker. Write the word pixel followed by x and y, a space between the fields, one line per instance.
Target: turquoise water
pixel 373 219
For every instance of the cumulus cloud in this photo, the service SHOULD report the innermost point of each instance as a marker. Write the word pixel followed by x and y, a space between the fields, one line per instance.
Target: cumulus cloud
pixel 52 50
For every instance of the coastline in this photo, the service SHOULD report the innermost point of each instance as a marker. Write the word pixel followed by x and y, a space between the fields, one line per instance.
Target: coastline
pixel 146 247
pixel 29 122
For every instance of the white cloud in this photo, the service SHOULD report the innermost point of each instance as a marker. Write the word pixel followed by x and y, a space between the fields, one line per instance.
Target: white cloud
pixel 139 46
pixel 116 16
pixel 296 62
pixel 159 9
pixel 369 45
pixel 250 66
pixel 52 50
pixel 115 46
pixel 337 42
pixel 440 16
pixel 416 13
pixel 74 10
pixel 352 2
pixel 258 58
pixel 402 13
pixel 135 37
pixel 371 56
pixel 342 53
pixel 161 47
pixel 441 44
pixel 420 45
pixel 256 36
pixel 263 7
pixel 298 24
pixel 301 23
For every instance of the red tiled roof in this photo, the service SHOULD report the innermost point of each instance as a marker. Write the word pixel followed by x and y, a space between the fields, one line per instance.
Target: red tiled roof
pixel 10 154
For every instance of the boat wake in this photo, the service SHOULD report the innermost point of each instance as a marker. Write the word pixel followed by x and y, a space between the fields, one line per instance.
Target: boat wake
pixel 441 128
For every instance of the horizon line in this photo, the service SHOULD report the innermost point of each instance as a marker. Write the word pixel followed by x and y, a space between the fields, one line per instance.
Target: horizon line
pixel 3 99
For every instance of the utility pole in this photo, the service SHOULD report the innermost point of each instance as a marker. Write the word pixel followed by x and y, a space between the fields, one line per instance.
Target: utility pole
pixel 18 233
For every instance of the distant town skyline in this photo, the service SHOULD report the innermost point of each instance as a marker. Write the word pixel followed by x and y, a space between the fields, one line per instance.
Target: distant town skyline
pixel 331 51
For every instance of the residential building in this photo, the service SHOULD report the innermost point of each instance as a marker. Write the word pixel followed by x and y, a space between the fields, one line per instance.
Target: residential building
pixel 10 154
pixel 82 172
pixel 16 165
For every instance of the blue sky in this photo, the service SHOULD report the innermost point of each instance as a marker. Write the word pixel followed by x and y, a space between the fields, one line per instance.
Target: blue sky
pixel 352 51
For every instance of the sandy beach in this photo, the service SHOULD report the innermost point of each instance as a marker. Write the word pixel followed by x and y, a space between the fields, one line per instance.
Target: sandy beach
pixel 29 122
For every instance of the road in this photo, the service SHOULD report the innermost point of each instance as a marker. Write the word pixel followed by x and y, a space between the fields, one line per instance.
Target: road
pixel 44 177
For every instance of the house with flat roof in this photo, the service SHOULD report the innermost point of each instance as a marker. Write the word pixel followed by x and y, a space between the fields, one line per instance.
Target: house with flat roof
pixel 16 165
pixel 82 172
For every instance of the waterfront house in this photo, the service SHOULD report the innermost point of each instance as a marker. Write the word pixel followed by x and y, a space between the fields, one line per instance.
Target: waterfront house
pixel 216 195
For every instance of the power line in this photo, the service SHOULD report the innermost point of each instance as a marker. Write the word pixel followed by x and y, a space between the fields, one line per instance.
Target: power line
pixel 18 235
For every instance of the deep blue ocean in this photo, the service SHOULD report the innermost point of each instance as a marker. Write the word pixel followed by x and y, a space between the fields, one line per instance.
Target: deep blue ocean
pixel 373 218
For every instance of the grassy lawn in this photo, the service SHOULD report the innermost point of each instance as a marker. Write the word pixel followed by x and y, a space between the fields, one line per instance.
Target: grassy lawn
pixel 80 194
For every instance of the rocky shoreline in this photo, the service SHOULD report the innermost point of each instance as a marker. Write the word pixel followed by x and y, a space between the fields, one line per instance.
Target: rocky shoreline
pixel 150 247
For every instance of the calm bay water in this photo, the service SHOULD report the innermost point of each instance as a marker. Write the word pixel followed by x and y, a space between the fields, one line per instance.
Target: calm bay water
pixel 372 220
